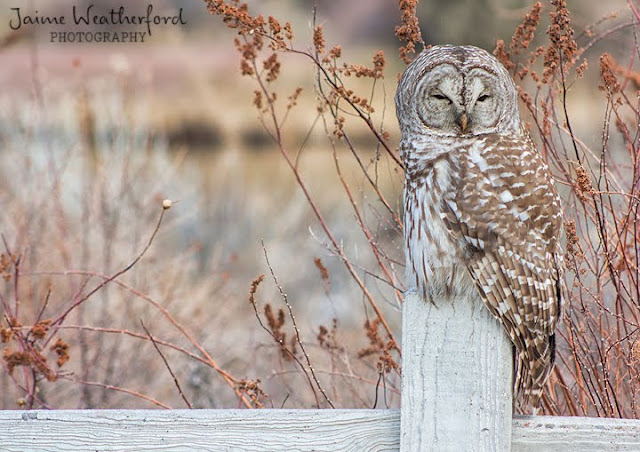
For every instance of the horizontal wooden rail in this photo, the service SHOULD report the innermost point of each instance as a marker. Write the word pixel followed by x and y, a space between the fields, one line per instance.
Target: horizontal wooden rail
pixel 278 430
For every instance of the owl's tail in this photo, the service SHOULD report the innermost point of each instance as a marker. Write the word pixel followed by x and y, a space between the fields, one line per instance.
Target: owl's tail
pixel 533 365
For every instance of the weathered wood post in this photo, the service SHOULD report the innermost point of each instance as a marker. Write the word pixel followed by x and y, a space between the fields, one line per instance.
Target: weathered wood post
pixel 456 377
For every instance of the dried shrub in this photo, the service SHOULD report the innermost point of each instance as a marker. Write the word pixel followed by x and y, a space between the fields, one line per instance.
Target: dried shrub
pixel 409 30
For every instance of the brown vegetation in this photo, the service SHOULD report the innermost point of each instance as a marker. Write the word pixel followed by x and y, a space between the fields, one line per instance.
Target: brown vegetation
pixel 64 329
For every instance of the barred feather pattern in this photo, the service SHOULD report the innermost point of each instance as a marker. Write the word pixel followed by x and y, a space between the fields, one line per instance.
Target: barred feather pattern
pixel 483 219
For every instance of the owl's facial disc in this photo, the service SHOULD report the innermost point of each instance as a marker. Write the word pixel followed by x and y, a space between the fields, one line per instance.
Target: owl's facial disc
pixel 483 104
pixel 440 100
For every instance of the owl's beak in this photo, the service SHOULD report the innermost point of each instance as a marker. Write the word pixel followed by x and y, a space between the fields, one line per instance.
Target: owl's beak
pixel 463 121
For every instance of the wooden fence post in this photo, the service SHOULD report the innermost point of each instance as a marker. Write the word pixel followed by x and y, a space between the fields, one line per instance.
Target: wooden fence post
pixel 456 377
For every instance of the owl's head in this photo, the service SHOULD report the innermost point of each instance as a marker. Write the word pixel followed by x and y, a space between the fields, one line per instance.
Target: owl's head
pixel 455 91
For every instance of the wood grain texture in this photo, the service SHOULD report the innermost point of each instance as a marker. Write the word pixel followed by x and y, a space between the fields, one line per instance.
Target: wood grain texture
pixel 575 434
pixel 456 377
pixel 279 430
pixel 200 430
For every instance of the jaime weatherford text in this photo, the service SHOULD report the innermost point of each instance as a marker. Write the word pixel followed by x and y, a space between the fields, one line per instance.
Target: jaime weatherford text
pixel 90 16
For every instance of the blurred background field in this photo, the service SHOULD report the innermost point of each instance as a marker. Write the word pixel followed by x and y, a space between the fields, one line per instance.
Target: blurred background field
pixel 94 137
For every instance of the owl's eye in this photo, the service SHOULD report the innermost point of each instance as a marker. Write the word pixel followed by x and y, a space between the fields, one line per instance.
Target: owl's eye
pixel 440 97
pixel 483 98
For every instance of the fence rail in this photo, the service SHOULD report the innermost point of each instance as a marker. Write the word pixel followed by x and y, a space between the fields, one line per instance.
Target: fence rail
pixel 278 430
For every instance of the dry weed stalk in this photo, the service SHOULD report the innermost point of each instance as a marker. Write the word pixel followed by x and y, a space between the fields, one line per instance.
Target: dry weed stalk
pixel 25 345
pixel 260 41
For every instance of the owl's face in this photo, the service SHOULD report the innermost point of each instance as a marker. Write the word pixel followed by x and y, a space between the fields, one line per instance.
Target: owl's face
pixel 458 91
pixel 455 102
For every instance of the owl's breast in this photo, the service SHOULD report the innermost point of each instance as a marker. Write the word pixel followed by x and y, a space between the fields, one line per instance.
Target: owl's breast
pixel 434 259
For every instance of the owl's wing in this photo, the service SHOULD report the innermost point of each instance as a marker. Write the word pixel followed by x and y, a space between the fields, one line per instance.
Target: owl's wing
pixel 505 212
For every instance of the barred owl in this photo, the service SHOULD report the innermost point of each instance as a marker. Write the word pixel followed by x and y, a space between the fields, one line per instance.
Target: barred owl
pixel 482 215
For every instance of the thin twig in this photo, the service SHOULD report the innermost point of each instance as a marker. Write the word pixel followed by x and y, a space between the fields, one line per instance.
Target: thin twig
pixel 295 326
pixel 126 391
pixel 166 364
pixel 117 274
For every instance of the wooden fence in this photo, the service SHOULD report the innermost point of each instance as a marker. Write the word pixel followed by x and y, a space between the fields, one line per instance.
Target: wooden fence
pixel 456 396
pixel 278 430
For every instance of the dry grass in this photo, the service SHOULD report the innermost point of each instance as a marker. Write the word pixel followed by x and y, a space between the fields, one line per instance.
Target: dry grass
pixel 83 203
pixel 93 318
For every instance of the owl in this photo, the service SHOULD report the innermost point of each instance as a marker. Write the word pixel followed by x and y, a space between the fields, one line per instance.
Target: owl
pixel 482 215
